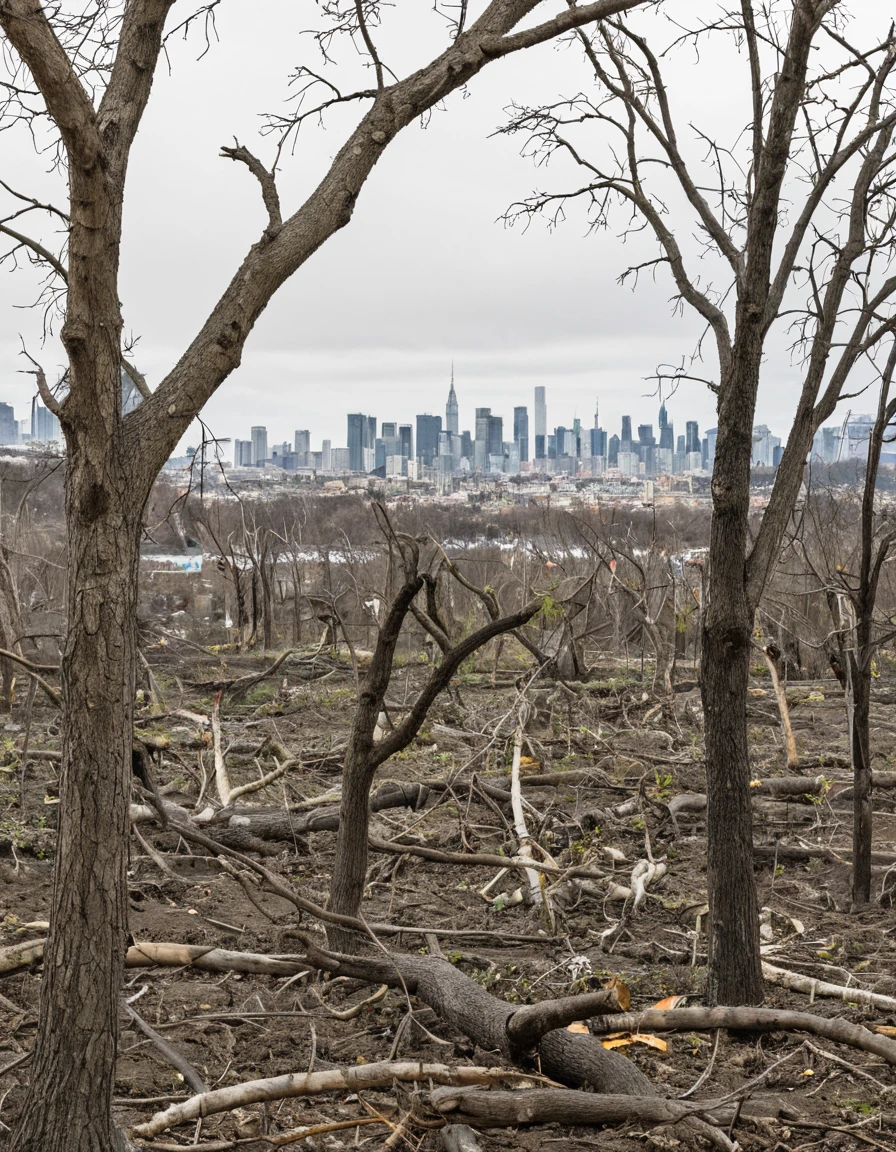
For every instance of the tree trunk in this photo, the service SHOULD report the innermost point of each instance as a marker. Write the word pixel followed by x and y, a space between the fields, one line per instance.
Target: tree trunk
pixel 860 684
pixel 68 1108
pixel 735 970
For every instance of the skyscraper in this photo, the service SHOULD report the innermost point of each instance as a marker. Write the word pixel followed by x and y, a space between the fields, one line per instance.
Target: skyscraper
pixel 406 441
pixel 361 442
pixel 480 447
pixel 451 411
pixel 428 429
pixel 521 432
pixel 495 436
pixel 541 424
pixel 259 436
pixel 667 432
pixel 625 440
pixel 302 446
pixel 692 437
pixel 9 429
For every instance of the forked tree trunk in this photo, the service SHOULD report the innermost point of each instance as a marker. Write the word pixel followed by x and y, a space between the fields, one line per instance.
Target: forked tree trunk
pixel 75 1048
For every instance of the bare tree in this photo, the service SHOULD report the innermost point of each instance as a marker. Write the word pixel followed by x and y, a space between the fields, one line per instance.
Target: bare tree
pixel 795 218
pixel 90 70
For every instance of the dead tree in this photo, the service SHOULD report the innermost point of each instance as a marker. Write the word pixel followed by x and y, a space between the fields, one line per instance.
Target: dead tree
pixel 369 747
pixel 796 225
pixel 847 554
pixel 90 72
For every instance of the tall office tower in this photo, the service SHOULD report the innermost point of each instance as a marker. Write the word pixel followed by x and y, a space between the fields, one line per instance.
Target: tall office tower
pixel 359 441
pixel 259 436
pixel 541 424
pixel 242 453
pixel 388 428
pixel 577 432
pixel 302 440
pixel 406 441
pixel 613 452
pixel 480 448
pixel 692 437
pixel 625 440
pixel 9 429
pixel 521 432
pixel 44 425
pixel 496 436
pixel 466 447
pixel 667 431
pixel 326 455
pixel 451 411
pixel 130 394
pixel 711 436
pixel 428 429
pixel 559 439
pixel 679 445
pixel 598 442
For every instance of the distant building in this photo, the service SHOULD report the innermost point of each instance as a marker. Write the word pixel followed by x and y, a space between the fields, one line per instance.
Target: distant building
pixel 521 432
pixel 259 436
pixel 406 440
pixel 9 429
pixel 451 409
pixel 361 442
pixel 541 424
pixel 44 425
pixel 428 429
pixel 692 437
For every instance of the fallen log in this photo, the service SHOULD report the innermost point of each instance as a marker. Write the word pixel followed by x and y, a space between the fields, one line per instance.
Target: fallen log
pixel 353 1079
pixel 559 1106
pixel 748 1020
pixel 519 1034
pixel 21 955
pixel 797 982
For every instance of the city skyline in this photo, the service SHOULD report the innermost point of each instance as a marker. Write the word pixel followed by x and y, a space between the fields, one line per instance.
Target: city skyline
pixel 442 446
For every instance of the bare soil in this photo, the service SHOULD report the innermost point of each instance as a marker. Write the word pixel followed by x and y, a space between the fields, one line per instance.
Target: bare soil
pixel 234 1027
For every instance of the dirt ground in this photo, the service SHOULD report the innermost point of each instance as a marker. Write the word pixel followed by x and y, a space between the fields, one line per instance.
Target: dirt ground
pixel 616 742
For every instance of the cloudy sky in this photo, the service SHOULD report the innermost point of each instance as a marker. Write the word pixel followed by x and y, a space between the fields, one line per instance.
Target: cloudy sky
pixel 426 272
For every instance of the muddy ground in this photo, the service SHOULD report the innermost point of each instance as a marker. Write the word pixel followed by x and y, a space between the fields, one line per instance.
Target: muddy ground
pixel 616 741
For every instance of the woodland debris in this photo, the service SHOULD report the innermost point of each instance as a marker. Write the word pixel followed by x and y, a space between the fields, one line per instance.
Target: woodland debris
pixel 358 1078
pixel 797 982
pixel 749 1019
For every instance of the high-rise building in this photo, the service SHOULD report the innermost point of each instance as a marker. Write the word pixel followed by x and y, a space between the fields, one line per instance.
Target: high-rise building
pixel 613 452
pixel 302 441
pixel 625 440
pixel 326 455
pixel 692 437
pixel 521 432
pixel 667 431
pixel 361 442
pixel 466 447
pixel 406 441
pixel 428 429
pixel 9 429
pixel 480 448
pixel 242 453
pixel 598 441
pixel 130 394
pixel 259 436
pixel 495 436
pixel 451 410
pixel 541 424
pixel 44 425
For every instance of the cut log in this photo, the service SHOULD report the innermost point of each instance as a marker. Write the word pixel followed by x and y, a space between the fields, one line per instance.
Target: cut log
pixel 748 1020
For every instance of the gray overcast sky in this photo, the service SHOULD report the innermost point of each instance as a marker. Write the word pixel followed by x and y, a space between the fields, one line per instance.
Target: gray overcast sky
pixel 425 273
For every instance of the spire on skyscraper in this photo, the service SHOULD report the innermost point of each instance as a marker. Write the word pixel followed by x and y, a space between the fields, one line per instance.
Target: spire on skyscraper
pixel 597 412
pixel 451 408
